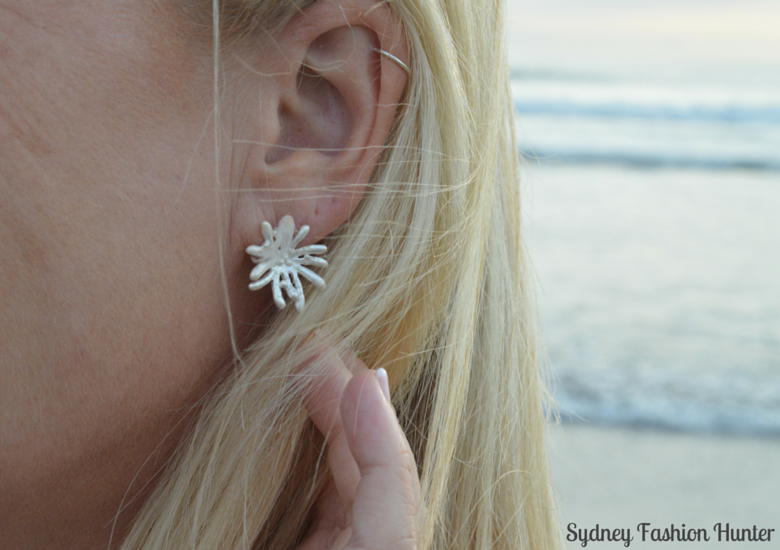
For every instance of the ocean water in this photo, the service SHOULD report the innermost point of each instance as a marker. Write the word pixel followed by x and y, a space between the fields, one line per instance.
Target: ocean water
pixel 651 133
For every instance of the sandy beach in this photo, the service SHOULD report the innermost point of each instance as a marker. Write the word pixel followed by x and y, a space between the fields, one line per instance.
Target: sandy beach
pixel 619 478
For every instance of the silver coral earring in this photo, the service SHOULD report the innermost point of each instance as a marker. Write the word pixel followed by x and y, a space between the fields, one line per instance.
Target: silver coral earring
pixel 280 263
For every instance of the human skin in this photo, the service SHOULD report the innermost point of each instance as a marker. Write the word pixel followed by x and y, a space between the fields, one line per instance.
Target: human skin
pixel 113 282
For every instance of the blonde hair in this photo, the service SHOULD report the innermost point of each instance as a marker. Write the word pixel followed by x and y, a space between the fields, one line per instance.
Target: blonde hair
pixel 428 279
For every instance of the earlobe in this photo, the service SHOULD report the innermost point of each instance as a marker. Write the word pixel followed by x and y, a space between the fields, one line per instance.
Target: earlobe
pixel 329 112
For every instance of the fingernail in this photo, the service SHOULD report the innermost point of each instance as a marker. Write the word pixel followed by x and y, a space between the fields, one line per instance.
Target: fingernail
pixel 381 374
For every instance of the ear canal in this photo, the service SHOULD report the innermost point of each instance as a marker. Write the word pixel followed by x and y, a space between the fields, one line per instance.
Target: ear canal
pixel 317 117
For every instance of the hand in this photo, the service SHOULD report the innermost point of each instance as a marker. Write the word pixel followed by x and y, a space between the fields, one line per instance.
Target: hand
pixel 376 490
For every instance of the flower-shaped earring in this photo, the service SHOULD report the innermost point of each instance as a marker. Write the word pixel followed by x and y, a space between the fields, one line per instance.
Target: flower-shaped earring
pixel 281 263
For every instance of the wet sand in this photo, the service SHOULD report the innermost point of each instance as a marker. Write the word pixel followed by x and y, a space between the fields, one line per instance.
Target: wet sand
pixel 619 478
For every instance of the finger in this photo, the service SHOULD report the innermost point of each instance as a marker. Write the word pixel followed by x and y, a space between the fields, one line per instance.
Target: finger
pixel 387 496
pixel 330 523
pixel 322 402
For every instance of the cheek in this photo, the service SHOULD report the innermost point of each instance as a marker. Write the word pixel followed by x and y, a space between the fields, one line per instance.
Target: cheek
pixel 112 294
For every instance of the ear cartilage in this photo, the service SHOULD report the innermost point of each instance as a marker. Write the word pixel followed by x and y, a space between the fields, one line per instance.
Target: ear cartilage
pixel 394 59
pixel 280 263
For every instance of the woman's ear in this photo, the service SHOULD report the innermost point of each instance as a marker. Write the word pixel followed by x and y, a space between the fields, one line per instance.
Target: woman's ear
pixel 328 99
